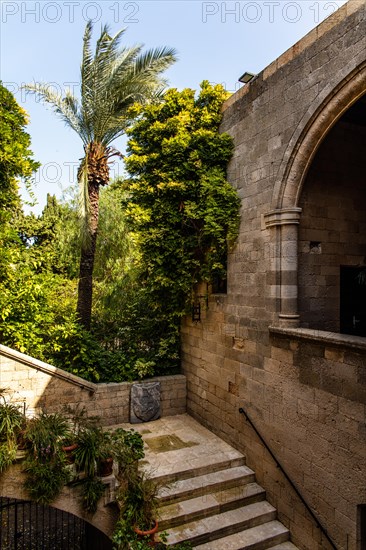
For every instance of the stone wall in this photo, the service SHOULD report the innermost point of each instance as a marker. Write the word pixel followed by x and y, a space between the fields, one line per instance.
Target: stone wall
pixel 37 385
pixel 304 391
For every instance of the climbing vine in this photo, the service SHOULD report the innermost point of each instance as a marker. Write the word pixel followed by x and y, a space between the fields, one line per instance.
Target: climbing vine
pixel 183 212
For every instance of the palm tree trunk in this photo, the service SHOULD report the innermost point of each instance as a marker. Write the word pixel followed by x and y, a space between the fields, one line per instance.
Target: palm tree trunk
pixel 85 286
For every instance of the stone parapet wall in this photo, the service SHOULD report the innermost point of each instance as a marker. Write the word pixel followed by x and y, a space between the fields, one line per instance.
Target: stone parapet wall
pixel 307 398
pixel 37 385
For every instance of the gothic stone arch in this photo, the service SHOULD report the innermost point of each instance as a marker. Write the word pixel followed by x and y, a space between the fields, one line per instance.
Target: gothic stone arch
pixel 300 152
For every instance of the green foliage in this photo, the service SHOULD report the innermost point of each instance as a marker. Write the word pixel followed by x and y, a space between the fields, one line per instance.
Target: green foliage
pixel 11 422
pixel 46 467
pixel 45 479
pixel 15 163
pixel 15 155
pixel 182 211
pixel 128 448
pixel 37 299
pixel 160 233
pixel 114 253
pixel 92 491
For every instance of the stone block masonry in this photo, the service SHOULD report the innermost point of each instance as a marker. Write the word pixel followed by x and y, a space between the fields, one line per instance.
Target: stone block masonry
pixel 36 385
pixel 308 399
pixel 298 165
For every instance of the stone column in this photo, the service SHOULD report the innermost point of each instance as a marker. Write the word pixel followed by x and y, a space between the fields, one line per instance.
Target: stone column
pixel 286 221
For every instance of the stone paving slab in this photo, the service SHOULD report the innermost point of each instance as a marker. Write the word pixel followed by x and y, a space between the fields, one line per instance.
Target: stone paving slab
pixel 202 451
pixel 284 546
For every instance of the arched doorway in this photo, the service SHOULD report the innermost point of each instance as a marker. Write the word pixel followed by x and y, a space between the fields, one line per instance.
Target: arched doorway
pixel 332 230
pixel 26 525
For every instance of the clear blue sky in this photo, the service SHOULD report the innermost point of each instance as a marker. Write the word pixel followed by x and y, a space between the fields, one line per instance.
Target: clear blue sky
pixel 216 40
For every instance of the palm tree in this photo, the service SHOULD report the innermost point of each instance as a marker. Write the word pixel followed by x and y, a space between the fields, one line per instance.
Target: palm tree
pixel 112 80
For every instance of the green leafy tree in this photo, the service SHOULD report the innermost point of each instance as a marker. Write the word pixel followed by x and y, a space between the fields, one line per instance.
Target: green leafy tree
pixel 37 299
pixel 182 210
pixel 112 80
pixel 15 162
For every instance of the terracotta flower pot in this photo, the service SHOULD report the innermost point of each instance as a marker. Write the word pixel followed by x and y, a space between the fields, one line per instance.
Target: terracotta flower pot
pixel 21 441
pixel 151 533
pixel 105 467
pixel 69 451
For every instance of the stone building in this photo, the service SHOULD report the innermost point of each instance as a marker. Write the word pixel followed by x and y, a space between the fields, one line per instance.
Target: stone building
pixel 287 341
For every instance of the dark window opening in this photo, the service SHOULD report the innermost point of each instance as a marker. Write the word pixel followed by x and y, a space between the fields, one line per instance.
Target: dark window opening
pixel 219 285
pixel 353 300
pixel 361 526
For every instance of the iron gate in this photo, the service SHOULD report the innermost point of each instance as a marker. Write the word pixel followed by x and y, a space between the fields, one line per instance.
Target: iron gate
pixel 26 525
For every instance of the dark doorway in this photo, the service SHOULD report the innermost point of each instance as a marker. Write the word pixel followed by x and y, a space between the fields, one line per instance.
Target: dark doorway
pixel 26 525
pixel 361 525
pixel 353 300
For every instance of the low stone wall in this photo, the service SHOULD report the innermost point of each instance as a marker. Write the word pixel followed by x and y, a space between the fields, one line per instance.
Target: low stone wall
pixel 38 386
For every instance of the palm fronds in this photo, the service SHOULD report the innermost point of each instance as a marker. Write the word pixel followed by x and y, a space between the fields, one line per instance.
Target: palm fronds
pixel 113 78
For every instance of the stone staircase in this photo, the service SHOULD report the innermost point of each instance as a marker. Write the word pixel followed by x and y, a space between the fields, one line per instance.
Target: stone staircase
pixel 209 496
pixel 223 508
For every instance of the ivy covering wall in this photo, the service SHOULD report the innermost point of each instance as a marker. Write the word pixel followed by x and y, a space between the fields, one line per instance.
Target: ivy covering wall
pixel 183 213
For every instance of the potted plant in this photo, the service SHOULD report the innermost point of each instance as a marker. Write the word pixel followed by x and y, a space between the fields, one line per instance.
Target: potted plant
pixel 78 420
pixel 87 451
pixel 138 501
pixel 105 455
pixel 137 497
pixel 68 447
pixel 128 449
pixel 92 491
pixel 11 422
pixel 45 433
pixel 137 493
pixel 94 451
pixel 45 467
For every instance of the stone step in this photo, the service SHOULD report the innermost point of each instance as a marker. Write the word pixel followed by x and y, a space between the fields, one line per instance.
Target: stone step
pixel 224 524
pixel 261 537
pixel 206 505
pixel 284 546
pixel 199 467
pixel 203 484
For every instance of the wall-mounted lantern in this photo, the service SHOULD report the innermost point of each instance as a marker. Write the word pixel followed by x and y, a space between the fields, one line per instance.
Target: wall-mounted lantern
pixel 246 77
pixel 196 312
pixel 196 306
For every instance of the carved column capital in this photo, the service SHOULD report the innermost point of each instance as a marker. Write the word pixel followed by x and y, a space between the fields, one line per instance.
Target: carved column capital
pixel 283 216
